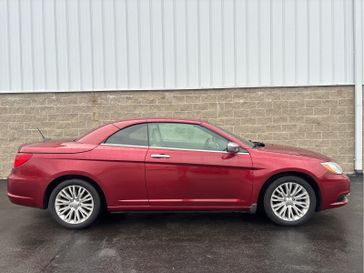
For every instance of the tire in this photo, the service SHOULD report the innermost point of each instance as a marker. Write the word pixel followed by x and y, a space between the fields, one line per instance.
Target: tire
pixel 289 201
pixel 74 204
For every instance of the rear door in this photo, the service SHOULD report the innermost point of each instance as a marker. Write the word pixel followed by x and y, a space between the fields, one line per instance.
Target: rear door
pixel 187 166
pixel 119 164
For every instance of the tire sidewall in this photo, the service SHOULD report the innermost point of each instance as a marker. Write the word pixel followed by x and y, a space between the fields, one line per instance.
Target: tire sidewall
pixel 267 197
pixel 94 194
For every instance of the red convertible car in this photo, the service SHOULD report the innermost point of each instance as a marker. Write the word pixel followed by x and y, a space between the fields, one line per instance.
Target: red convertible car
pixel 173 165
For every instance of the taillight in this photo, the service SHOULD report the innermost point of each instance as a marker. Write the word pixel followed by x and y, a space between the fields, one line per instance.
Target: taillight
pixel 20 159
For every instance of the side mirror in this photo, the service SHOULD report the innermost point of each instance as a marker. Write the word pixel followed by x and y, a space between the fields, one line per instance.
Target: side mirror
pixel 232 147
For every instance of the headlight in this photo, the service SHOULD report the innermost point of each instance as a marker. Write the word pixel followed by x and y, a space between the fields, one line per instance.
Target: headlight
pixel 332 167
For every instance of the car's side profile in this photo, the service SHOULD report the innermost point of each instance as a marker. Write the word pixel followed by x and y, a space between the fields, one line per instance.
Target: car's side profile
pixel 173 164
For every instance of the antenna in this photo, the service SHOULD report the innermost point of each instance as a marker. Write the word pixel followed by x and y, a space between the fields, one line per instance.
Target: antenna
pixel 40 132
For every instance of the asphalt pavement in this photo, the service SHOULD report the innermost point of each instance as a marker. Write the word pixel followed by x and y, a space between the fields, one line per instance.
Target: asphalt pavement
pixel 331 242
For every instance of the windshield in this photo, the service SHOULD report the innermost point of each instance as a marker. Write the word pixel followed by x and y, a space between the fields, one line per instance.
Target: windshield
pixel 243 140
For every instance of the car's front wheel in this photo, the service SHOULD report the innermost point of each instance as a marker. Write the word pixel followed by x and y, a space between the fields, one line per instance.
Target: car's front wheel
pixel 289 201
pixel 74 204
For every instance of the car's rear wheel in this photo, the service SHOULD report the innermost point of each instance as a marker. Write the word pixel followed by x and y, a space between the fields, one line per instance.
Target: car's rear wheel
pixel 74 204
pixel 289 201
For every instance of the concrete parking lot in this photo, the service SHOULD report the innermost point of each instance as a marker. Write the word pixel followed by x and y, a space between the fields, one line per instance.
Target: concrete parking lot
pixel 183 242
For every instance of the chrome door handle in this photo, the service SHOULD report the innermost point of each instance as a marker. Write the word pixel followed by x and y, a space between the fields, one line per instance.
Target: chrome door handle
pixel 159 156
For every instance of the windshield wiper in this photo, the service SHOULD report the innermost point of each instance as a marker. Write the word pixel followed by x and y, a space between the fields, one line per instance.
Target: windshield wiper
pixel 257 144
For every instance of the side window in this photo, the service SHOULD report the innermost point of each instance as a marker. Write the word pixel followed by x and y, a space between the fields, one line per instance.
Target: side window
pixel 133 135
pixel 185 136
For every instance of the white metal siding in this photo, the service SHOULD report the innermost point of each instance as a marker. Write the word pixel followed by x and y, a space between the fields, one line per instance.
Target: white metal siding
pixel 71 45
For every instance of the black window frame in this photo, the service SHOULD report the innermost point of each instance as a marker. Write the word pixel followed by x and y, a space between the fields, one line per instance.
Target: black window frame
pixel 242 150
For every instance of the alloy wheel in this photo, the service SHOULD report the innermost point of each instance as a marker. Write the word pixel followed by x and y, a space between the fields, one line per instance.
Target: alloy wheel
pixel 74 204
pixel 290 201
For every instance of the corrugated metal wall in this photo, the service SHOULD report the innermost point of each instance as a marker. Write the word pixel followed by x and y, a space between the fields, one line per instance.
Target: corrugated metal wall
pixel 166 44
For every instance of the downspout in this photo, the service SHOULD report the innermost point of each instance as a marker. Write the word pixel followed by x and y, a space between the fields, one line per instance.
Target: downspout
pixel 358 74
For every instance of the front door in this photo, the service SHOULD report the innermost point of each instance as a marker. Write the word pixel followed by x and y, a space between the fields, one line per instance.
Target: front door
pixel 187 167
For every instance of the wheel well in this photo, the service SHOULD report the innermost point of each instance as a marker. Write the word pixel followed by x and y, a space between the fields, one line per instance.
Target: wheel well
pixel 60 179
pixel 304 176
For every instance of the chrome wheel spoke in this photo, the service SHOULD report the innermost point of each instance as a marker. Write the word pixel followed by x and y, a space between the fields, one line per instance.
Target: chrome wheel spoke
pixel 62 201
pixel 65 195
pixel 301 195
pixel 81 193
pixel 295 189
pixel 282 212
pixel 86 199
pixel 277 198
pixel 86 205
pixel 69 192
pixel 301 201
pixel 279 205
pixel 64 209
pixel 77 214
pixel 280 191
pixel 287 188
pixel 290 201
pixel 290 213
pixel 67 216
pixel 74 204
pixel 83 212
pixel 297 210
pixel 73 192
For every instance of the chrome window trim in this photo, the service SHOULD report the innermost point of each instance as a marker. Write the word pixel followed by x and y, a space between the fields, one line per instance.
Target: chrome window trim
pixel 168 148
pixel 123 145
pixel 194 150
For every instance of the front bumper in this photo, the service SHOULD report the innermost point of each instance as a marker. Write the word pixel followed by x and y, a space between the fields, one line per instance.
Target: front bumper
pixel 335 190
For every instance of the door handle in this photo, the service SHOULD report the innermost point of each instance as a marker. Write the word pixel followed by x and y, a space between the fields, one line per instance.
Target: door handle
pixel 159 156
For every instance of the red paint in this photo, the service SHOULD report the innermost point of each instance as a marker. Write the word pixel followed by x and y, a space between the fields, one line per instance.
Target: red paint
pixel 189 180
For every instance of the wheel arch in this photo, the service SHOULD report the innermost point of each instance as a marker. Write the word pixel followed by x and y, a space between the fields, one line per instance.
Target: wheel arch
pixel 54 183
pixel 302 175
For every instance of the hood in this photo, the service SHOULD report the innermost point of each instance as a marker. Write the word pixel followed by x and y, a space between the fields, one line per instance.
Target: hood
pixel 56 147
pixel 281 149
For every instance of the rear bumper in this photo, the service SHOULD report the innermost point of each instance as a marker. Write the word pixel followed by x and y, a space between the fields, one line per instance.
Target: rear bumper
pixel 24 192
pixel 335 190
pixel 22 200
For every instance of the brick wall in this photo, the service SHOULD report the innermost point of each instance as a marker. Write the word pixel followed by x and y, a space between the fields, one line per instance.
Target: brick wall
pixel 317 118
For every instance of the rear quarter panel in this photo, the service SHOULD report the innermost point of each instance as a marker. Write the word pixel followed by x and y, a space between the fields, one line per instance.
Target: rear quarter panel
pixel 119 179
